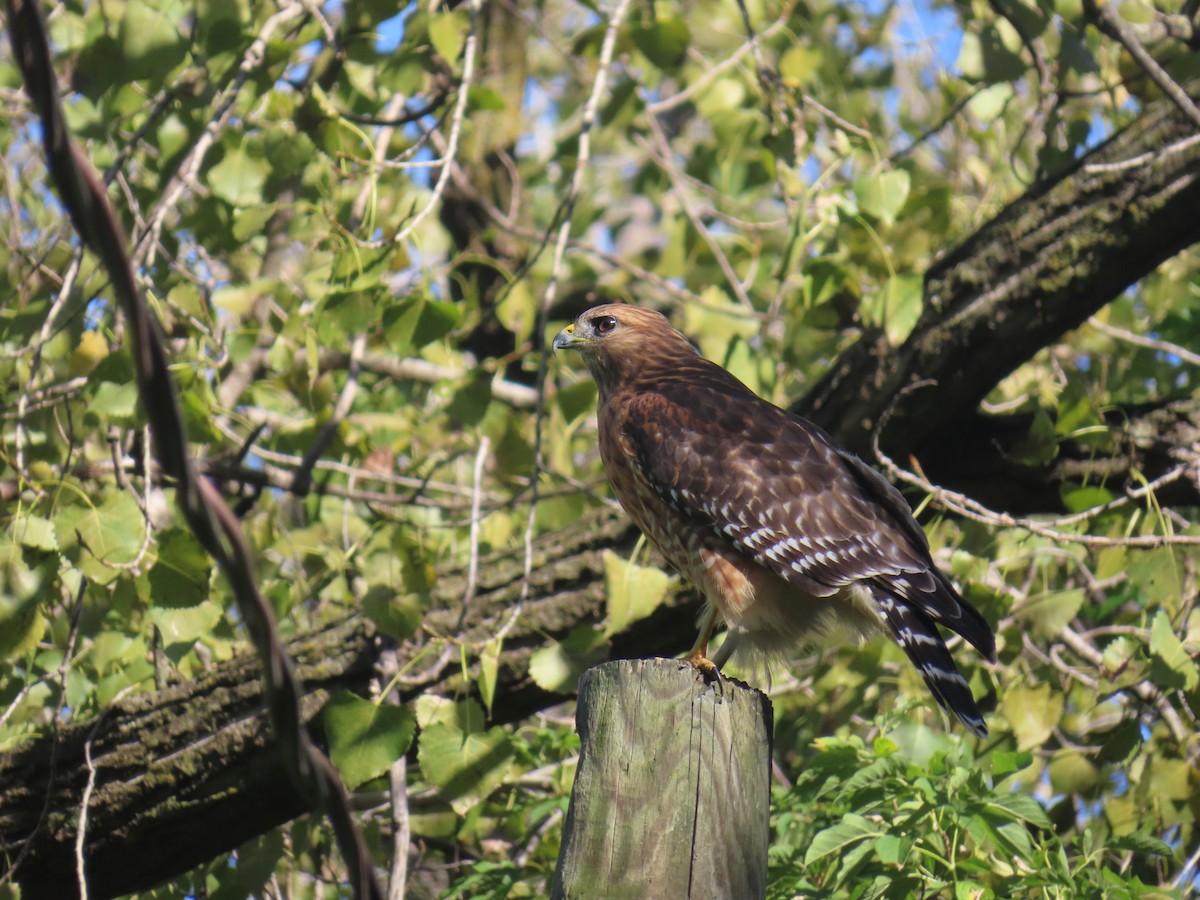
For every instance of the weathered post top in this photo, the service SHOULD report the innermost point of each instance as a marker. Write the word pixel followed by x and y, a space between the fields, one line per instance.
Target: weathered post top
pixel 671 797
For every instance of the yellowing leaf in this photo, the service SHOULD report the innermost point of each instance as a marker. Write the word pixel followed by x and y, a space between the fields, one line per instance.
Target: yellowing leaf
pixel 448 32
pixel 1033 713
pixel 799 64
pixel 84 358
pixel 633 591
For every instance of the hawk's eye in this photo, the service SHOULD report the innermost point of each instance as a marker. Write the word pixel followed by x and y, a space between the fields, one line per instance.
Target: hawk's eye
pixel 604 324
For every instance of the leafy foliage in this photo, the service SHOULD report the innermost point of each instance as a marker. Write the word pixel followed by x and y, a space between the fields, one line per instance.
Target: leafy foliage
pixel 325 282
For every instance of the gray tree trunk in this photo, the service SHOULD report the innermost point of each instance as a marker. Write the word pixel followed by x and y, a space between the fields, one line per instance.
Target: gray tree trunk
pixel 673 789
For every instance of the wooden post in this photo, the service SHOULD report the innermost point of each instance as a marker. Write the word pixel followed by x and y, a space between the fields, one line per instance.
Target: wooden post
pixel 672 793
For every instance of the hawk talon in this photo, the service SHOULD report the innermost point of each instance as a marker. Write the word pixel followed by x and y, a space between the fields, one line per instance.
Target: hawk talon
pixel 707 669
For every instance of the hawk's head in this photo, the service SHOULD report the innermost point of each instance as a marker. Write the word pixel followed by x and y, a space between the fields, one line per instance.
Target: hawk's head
pixel 618 341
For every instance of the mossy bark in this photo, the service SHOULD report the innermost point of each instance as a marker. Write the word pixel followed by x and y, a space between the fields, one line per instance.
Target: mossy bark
pixel 1053 257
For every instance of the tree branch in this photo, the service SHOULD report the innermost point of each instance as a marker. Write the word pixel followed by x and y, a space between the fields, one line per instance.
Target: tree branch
pixel 1046 263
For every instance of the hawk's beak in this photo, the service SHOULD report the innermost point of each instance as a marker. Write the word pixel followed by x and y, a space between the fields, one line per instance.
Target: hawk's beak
pixel 567 338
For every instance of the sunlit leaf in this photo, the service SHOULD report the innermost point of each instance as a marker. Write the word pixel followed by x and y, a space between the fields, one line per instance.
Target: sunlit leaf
pixel 633 591
pixel 365 739
pixel 1033 713
pixel 882 194
pixel 239 177
pixel 465 768
pixel 1177 665
pixel 850 830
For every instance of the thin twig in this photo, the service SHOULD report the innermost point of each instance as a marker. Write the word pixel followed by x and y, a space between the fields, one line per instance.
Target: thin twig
pixel 302 481
pixel 709 76
pixel 1111 25
pixel 1149 343
pixel 971 509
pixel 64 294
pixel 663 158
pixel 473 562
pixel 189 168
pixel 456 120
pixel 401 829
pixel 1144 159
pixel 590 112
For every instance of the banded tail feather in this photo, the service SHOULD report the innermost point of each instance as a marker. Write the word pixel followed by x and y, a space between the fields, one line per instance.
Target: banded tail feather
pixel 917 633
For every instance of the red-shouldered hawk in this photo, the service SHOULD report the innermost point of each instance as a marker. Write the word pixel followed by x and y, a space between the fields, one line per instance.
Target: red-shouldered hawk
pixel 781 530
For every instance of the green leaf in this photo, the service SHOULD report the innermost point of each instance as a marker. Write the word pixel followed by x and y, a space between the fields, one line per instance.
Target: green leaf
pixel 113 403
pixel 633 591
pixel 185 625
pixel 465 768
pixel 1077 499
pixel 988 104
pixel 1155 573
pixel 102 536
pixel 557 666
pixel 1177 668
pixel 881 195
pixel 1047 614
pixel 151 44
pixel 180 576
pixel 664 43
pixel 851 829
pixel 1140 843
pixel 238 179
pixel 903 296
pixel 489 667
pixel 1022 807
pixel 892 849
pixel 35 532
pixel 1071 772
pixel 365 739
pixel 1005 762
pixel 484 99
pixel 21 621
pixel 414 322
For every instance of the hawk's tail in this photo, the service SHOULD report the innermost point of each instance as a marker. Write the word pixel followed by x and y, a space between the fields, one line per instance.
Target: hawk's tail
pixel 918 635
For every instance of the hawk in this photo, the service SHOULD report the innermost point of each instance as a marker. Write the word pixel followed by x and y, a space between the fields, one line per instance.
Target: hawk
pixel 785 533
